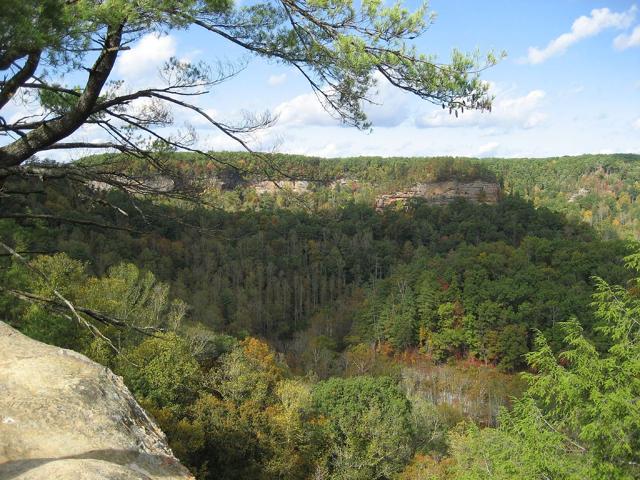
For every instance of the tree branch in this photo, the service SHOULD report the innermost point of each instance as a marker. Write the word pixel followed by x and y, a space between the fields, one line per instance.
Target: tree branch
pixel 9 87
pixel 53 218
pixel 52 131
pixel 62 302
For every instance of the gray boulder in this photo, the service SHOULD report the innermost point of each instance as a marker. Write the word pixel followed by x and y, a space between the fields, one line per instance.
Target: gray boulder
pixel 65 416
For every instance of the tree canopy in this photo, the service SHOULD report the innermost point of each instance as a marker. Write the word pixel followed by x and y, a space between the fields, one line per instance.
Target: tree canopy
pixel 340 47
pixel 341 341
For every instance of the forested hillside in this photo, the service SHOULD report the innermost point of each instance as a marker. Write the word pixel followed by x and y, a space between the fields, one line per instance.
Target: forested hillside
pixel 248 314
pixel 307 334
pixel 600 190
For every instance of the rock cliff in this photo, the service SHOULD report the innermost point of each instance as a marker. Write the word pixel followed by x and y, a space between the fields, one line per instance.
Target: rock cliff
pixel 63 416
pixel 268 186
pixel 441 193
pixel 155 183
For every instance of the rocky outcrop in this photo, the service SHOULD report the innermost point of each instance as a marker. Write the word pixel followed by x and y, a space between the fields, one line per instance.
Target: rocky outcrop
pixel 583 192
pixel 63 416
pixel 153 183
pixel 269 186
pixel 227 179
pixel 441 193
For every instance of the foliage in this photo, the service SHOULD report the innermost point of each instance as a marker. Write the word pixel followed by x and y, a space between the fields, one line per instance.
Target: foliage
pixel 162 371
pixel 579 418
pixel 483 301
pixel 369 426
pixel 601 190
pixel 253 423
pixel 337 341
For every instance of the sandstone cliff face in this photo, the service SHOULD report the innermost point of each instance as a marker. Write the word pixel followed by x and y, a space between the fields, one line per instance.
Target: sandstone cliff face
pixel 268 186
pixel 436 193
pixel 441 193
pixel 156 183
pixel 63 416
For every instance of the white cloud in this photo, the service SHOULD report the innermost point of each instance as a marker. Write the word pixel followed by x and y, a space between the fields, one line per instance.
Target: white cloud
pixel 622 42
pixel 535 119
pixel 275 80
pixel 199 121
pixel 219 142
pixel 22 113
pixel 391 106
pixel 636 124
pixel 488 148
pixel 328 150
pixel 303 110
pixel 583 27
pixel 522 112
pixel 146 55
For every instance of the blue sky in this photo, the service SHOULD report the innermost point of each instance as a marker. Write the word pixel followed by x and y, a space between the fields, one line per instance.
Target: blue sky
pixel 580 95
pixel 570 85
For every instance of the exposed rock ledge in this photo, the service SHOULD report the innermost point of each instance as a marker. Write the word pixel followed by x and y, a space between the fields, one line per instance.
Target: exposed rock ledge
pixel 63 416
pixel 269 186
pixel 441 193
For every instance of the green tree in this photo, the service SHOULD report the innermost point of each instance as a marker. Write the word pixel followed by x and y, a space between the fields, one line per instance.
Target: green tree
pixel 522 448
pixel 65 276
pixel 451 338
pixel 254 424
pixel 511 347
pixel 580 416
pixel 249 372
pixel 162 371
pixel 368 423
pixel 399 317
pixel 134 295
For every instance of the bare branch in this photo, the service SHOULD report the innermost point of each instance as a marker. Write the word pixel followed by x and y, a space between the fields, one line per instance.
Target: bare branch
pixel 61 302
pixel 53 218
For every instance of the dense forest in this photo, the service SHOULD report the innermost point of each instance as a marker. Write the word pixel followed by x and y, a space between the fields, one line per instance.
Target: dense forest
pixel 303 333
pixel 253 315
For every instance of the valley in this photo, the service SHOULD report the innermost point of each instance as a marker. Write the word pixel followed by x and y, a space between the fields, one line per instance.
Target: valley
pixel 435 295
